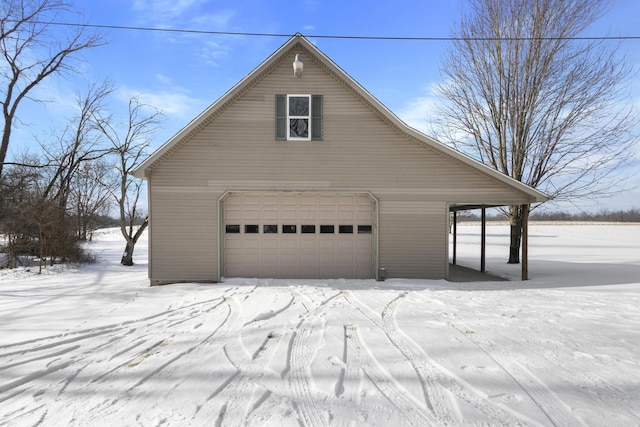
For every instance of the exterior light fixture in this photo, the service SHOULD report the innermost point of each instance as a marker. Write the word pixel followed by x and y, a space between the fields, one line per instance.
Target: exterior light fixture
pixel 298 66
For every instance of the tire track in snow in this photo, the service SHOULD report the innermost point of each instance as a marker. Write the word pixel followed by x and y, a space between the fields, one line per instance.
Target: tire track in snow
pixel 228 403
pixel 254 378
pixel 108 339
pixel 177 355
pixel 352 382
pixel 165 370
pixel 107 373
pixel 558 413
pixel 398 397
pixel 218 402
pixel 223 402
pixel 243 395
pixel 349 387
pixel 438 398
pixel 616 397
pixel 304 346
pixel 25 416
pixel 51 341
pixel 436 379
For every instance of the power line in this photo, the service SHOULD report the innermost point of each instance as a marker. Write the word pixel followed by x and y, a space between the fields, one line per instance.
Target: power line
pixel 325 36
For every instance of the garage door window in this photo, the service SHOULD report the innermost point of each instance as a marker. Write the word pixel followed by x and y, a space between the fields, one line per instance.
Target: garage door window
pixel 270 229
pixel 364 229
pixel 308 229
pixel 327 229
pixel 232 228
pixel 345 229
pixel 251 229
pixel 289 229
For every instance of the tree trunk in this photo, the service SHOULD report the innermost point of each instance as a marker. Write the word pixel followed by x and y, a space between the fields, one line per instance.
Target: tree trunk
pixel 515 222
pixel 6 135
pixel 127 256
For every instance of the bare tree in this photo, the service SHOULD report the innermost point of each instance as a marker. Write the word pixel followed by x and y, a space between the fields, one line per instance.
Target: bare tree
pixel 129 148
pixel 91 197
pixel 30 52
pixel 525 96
pixel 17 195
pixel 40 208
pixel 80 143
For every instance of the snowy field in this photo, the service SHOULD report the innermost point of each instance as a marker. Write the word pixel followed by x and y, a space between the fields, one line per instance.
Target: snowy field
pixel 94 345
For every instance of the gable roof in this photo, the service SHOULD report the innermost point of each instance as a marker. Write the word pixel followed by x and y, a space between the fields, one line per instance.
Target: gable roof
pixel 298 41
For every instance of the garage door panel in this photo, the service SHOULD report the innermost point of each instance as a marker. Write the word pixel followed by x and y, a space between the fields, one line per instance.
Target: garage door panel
pixel 289 260
pixel 232 244
pixel 270 243
pixel 306 243
pixel 286 244
pixel 325 215
pixel 293 254
pixel 269 215
pixel 363 246
pixel 345 245
pixel 347 217
pixel 251 242
pixel 251 215
pixel 325 243
pixel 234 214
pixel 289 214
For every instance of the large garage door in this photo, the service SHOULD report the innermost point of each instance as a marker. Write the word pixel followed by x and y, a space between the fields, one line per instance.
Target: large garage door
pixel 298 235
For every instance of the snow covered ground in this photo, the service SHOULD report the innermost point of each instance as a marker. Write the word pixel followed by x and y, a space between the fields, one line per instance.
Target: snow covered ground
pixel 94 345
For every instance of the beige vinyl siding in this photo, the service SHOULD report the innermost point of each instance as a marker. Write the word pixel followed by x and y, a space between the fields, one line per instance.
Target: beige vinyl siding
pixel 413 239
pixel 360 152
pixel 184 243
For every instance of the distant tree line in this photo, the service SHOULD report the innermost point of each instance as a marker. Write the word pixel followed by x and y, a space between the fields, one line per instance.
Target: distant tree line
pixel 605 215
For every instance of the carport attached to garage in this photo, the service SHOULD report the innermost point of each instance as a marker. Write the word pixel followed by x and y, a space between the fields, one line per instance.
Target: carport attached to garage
pixel 298 235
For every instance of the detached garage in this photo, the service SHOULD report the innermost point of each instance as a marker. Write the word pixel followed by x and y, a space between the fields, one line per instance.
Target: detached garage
pixel 306 175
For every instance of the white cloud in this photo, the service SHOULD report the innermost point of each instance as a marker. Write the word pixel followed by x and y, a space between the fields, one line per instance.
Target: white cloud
pixel 183 14
pixel 190 15
pixel 162 79
pixel 211 51
pixel 159 9
pixel 173 102
pixel 419 111
pixel 214 21
pixel 311 4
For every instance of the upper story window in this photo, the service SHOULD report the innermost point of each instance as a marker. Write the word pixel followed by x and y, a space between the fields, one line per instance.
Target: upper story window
pixel 299 117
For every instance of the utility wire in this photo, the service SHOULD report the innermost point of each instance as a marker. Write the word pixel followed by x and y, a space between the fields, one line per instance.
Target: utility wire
pixel 324 36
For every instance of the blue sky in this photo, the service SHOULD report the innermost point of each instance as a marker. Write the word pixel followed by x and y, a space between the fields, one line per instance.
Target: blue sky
pixel 182 74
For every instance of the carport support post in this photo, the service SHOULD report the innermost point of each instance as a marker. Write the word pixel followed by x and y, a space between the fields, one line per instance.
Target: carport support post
pixel 455 236
pixel 525 242
pixel 483 241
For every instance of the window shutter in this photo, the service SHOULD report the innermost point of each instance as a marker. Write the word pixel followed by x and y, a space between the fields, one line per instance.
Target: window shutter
pixel 281 117
pixel 316 117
